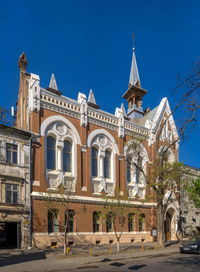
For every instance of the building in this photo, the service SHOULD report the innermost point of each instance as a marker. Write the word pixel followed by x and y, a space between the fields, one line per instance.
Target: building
pixel 190 223
pixel 15 188
pixel 81 149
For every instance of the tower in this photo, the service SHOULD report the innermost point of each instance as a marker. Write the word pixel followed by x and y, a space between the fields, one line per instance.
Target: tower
pixel 135 92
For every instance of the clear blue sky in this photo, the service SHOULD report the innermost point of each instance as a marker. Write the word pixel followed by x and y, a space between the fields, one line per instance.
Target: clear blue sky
pixel 88 44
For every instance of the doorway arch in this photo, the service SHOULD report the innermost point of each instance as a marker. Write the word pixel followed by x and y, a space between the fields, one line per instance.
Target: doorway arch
pixel 170 225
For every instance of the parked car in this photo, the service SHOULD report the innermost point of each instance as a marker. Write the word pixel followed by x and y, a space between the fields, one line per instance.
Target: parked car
pixel 190 247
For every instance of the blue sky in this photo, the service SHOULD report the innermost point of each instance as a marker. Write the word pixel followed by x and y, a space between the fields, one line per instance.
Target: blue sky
pixel 88 44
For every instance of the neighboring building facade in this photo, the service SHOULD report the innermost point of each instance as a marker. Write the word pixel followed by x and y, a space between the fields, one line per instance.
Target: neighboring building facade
pixel 190 223
pixel 14 187
pixel 81 149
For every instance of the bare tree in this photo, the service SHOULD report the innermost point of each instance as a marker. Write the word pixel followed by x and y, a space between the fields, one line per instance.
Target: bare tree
pixel 114 214
pixel 56 201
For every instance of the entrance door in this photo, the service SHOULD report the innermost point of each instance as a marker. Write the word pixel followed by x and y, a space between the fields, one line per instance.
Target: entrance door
pixel 168 227
pixel 9 235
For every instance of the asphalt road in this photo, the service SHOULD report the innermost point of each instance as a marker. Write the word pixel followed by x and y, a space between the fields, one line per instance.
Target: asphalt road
pixel 165 263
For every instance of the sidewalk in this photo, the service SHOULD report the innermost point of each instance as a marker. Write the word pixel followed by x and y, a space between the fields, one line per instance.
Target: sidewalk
pixel 18 257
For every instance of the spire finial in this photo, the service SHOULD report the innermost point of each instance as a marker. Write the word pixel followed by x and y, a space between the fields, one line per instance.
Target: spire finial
pixel 134 74
pixel 133 37
pixel 52 83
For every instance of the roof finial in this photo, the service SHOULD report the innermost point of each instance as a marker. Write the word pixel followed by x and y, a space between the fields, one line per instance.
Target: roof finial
pixel 133 37
pixel 134 79
pixel 52 83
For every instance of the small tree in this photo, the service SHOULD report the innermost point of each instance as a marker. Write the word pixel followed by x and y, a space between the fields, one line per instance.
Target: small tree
pixel 193 192
pixel 57 200
pixel 114 214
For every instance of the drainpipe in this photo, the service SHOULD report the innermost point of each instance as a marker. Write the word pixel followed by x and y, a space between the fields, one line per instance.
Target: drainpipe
pixel 30 189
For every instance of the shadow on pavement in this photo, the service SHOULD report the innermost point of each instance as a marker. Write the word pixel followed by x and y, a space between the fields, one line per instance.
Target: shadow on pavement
pixel 136 267
pixel 6 259
pixel 191 261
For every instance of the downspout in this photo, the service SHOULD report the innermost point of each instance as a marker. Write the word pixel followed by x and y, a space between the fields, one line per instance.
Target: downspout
pixel 30 190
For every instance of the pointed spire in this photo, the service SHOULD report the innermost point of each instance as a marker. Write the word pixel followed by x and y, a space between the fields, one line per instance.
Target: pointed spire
pixel 134 79
pixel 91 100
pixel 52 83
pixel 123 109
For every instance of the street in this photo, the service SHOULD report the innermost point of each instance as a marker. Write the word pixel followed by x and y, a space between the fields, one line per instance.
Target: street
pixel 173 262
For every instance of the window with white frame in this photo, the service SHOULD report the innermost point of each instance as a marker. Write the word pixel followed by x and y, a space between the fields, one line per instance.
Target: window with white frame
pixel 107 164
pixel 59 154
pixel 134 168
pixel 67 156
pixel 51 153
pixel 11 153
pixel 94 162
pixel 12 193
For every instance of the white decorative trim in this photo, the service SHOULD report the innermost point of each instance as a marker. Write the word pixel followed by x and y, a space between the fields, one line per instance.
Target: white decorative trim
pixel 42 195
pixel 106 133
pixel 57 118
pixel 133 187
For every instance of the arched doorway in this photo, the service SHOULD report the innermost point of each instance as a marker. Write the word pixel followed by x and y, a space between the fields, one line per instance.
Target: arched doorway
pixel 170 225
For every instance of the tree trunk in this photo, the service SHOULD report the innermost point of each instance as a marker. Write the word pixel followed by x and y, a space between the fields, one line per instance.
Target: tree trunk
pixel 118 246
pixel 160 225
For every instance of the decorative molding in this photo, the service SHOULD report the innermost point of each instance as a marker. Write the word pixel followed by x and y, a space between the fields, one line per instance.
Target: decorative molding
pixel 57 118
pixel 89 200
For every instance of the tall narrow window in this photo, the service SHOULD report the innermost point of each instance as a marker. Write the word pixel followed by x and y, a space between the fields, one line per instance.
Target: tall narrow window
pixel 51 153
pixel 67 156
pixel 130 222
pixel 96 221
pixel 109 222
pixel 69 220
pixel 94 162
pixel 138 170
pixel 11 153
pixel 12 193
pixel 53 220
pixel 107 164
pixel 141 222
pixel 128 170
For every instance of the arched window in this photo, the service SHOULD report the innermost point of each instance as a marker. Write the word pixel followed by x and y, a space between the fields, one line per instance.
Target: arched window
pixel 141 222
pixel 67 156
pixel 52 220
pixel 107 164
pixel 94 162
pixel 96 221
pixel 131 222
pixel 69 220
pixel 51 153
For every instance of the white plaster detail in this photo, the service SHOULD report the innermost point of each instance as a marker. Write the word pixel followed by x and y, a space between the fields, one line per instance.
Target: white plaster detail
pixel 103 143
pixel 57 118
pixel 44 195
pixel 84 113
pixel 120 114
pixel 61 129
pixel 134 153
pixel 34 93
pixel 103 132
